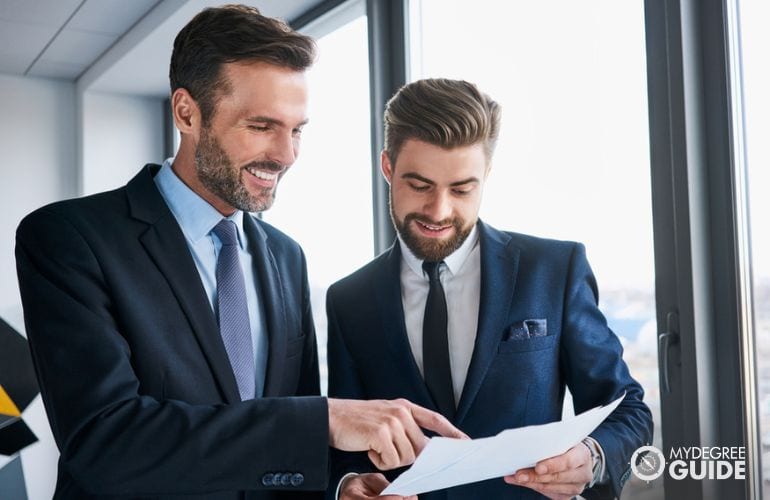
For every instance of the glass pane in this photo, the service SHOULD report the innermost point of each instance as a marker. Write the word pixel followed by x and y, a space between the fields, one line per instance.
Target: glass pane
pixel 573 155
pixel 754 16
pixel 325 200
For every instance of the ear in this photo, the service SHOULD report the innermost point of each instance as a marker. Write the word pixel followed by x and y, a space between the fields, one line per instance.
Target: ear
pixel 385 166
pixel 186 113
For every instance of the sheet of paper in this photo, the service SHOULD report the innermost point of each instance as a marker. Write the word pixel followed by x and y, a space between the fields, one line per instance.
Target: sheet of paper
pixel 449 462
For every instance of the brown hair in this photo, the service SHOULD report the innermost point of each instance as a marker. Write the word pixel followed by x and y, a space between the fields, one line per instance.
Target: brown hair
pixel 227 34
pixel 442 112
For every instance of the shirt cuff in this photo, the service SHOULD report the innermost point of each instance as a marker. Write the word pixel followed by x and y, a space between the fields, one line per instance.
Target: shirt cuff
pixel 339 485
pixel 597 453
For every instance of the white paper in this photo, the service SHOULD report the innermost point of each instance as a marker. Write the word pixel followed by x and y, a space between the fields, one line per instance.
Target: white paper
pixel 449 462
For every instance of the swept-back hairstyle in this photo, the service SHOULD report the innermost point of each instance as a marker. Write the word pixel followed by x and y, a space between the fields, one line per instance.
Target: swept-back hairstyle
pixel 442 112
pixel 227 34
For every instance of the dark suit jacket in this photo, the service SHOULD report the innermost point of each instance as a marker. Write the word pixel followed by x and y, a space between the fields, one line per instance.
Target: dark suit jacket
pixel 133 372
pixel 512 381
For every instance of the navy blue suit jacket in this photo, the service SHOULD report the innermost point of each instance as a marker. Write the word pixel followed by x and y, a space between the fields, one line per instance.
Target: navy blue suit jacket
pixel 133 372
pixel 512 381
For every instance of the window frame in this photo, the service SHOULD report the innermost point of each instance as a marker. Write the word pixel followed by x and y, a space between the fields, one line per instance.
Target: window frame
pixel 698 225
pixel 700 216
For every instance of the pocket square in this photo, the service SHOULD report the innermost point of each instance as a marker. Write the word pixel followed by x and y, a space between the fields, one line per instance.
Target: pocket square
pixel 527 329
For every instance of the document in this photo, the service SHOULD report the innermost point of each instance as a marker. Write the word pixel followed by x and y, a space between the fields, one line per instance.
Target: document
pixel 446 462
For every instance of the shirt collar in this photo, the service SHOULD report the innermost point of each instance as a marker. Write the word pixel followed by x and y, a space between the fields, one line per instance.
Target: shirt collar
pixel 195 215
pixel 453 261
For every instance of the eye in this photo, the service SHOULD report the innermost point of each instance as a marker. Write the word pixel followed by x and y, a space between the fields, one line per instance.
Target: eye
pixel 419 187
pixel 462 191
pixel 259 128
pixel 297 132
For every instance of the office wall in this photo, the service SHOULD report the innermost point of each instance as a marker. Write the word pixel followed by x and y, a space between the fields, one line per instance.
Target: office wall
pixel 37 160
pixel 120 134
pixel 37 166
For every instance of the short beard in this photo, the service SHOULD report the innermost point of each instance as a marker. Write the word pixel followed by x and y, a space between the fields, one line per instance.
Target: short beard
pixel 431 250
pixel 216 172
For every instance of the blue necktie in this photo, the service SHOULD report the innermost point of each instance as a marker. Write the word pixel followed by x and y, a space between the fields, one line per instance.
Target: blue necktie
pixel 233 311
pixel 435 345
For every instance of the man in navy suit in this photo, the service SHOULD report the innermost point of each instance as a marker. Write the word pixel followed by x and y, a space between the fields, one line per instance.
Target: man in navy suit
pixel 487 327
pixel 171 330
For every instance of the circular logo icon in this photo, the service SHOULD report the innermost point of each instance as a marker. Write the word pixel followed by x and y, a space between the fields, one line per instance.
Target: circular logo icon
pixel 648 463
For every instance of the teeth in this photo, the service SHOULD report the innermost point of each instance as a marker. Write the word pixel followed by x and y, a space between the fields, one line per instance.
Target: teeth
pixel 432 228
pixel 268 176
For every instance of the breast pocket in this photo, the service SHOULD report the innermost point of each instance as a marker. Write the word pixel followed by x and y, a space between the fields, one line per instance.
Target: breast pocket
pixel 295 346
pixel 527 344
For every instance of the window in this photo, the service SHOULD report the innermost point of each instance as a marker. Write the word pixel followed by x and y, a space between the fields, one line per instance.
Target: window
pixel 324 202
pixel 755 40
pixel 572 161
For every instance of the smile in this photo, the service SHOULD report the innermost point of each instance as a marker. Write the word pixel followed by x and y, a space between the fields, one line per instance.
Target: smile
pixel 261 174
pixel 431 228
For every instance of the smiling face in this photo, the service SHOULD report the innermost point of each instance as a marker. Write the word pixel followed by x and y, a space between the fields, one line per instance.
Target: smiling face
pixel 435 194
pixel 251 140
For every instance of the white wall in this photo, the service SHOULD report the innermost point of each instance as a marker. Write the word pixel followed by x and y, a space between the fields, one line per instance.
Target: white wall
pixel 120 134
pixel 37 160
pixel 37 166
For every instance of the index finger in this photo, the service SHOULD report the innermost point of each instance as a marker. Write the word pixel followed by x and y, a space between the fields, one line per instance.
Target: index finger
pixel 435 422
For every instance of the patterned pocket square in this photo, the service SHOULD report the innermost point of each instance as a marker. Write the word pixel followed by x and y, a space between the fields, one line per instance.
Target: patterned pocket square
pixel 527 329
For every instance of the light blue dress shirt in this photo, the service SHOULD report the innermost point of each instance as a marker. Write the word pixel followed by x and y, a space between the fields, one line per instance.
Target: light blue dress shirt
pixel 197 218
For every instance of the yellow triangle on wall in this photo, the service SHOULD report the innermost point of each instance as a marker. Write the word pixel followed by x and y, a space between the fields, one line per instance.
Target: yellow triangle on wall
pixel 6 404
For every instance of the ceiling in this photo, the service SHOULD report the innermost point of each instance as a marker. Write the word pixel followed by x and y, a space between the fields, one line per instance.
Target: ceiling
pixel 106 45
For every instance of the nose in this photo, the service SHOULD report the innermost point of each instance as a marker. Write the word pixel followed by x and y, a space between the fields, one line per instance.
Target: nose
pixel 284 148
pixel 439 206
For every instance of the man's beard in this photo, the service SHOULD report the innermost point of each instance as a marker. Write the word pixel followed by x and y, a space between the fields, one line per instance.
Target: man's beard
pixel 430 249
pixel 217 173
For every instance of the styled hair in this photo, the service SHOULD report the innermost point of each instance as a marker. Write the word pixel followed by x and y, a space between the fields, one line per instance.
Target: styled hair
pixel 228 34
pixel 442 112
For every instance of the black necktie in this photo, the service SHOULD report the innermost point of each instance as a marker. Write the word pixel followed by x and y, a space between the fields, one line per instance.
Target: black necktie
pixel 435 346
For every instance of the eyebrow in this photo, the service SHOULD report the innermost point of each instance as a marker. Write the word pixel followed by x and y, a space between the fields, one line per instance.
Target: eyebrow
pixel 273 121
pixel 418 177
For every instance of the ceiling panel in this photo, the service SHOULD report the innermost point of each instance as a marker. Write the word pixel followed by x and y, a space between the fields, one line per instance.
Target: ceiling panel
pixel 12 63
pixel 54 69
pixel 20 43
pixel 44 12
pixel 64 38
pixel 110 16
pixel 78 46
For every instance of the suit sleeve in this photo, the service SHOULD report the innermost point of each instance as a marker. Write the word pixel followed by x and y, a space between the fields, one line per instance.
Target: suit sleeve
pixel 114 440
pixel 591 356
pixel 344 383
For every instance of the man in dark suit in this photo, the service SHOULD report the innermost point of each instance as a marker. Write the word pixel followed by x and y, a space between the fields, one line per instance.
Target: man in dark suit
pixel 171 330
pixel 488 327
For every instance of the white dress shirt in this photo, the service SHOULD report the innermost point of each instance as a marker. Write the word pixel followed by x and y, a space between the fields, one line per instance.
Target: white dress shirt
pixel 461 278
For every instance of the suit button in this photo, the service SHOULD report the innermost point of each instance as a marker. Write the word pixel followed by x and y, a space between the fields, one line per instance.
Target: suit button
pixel 286 479
pixel 267 480
pixel 297 479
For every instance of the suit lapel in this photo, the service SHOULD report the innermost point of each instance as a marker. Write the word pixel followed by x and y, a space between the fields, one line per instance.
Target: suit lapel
pixel 272 298
pixel 404 373
pixel 164 242
pixel 499 267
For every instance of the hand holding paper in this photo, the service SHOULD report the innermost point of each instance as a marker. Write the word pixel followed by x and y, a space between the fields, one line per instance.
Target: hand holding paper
pixel 367 487
pixel 559 477
pixel 451 462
